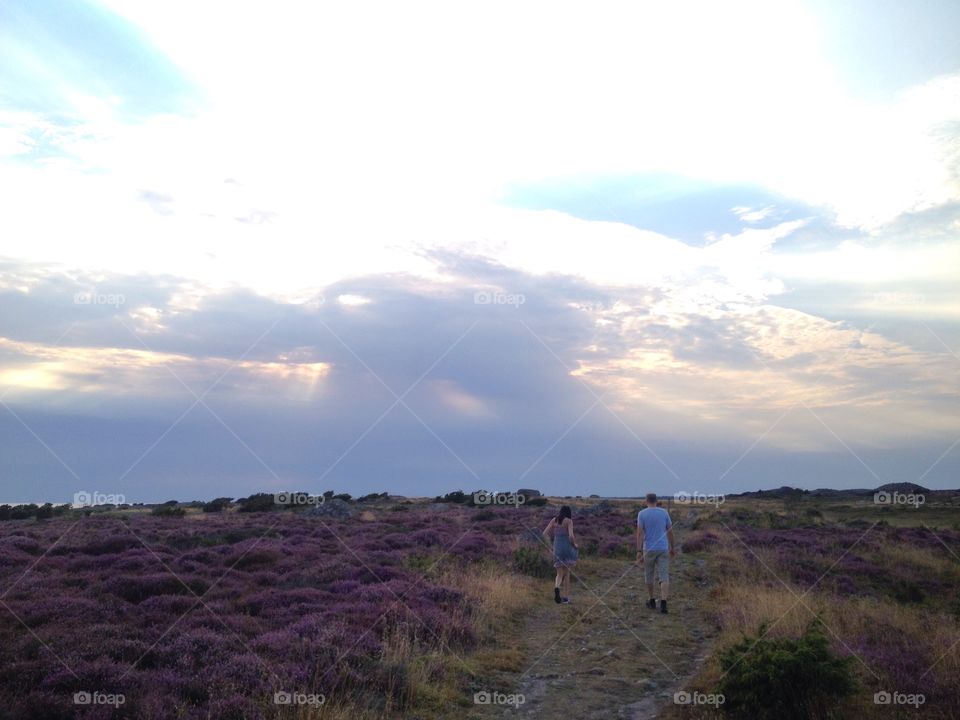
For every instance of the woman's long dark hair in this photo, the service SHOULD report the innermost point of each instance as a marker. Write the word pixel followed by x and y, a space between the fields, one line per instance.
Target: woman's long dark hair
pixel 565 513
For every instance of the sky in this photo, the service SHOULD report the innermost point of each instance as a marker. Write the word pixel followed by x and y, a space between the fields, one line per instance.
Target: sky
pixel 417 247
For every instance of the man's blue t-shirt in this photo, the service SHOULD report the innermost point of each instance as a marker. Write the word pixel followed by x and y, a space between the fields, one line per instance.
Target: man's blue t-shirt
pixel 655 521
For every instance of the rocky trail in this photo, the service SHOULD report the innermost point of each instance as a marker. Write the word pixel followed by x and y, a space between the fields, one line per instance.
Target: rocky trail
pixel 607 655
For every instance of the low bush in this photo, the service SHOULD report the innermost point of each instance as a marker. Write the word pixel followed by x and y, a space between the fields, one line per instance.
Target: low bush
pixel 531 561
pixel 699 541
pixel 781 679
pixel 217 505
pixel 168 511
pixel 260 502
pixel 457 496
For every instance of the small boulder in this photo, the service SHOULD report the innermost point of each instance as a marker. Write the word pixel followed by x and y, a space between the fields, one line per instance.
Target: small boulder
pixel 332 508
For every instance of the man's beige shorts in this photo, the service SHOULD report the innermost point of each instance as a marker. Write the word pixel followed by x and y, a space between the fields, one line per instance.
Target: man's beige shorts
pixel 656 560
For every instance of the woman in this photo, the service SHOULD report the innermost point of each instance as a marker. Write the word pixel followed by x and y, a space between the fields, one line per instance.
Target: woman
pixel 565 552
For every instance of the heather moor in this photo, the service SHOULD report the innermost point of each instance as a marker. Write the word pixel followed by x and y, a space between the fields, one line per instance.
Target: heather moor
pixel 465 360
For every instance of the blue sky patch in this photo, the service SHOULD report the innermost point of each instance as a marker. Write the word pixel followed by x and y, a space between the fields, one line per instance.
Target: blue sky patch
pixel 53 51
pixel 677 206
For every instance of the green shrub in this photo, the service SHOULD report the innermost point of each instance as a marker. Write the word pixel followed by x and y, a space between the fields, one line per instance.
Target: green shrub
pixel 954 608
pixel 420 562
pixel 217 505
pixel 169 511
pixel 530 560
pixel 906 591
pixel 457 496
pixel 20 512
pixel 783 679
pixel 589 546
pixel 536 501
pixel 260 502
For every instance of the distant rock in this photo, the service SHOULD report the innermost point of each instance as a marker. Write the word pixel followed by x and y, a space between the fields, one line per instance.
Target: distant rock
pixel 332 508
pixel 527 492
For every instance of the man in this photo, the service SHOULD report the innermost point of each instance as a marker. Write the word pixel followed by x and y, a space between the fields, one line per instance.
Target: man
pixel 655 546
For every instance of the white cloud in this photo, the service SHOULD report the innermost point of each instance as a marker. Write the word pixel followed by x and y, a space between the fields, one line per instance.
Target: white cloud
pixel 379 104
pixel 354 139
pixel 751 215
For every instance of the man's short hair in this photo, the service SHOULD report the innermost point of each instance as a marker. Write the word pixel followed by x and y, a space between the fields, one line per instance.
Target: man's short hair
pixel 652 498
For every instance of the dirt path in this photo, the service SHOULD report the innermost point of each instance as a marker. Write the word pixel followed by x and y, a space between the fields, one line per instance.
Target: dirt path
pixel 607 655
